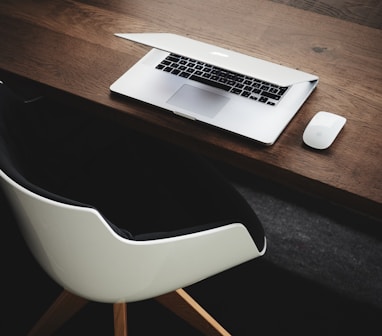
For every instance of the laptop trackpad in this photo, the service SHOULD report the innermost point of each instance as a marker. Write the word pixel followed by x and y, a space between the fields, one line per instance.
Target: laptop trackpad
pixel 198 101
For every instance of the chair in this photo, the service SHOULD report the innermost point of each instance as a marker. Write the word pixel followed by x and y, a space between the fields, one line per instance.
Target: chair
pixel 94 260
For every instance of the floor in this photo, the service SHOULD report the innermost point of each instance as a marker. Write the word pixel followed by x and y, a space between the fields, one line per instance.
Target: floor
pixel 321 275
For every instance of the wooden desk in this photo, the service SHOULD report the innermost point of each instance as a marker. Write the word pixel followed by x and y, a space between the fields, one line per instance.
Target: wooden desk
pixel 68 49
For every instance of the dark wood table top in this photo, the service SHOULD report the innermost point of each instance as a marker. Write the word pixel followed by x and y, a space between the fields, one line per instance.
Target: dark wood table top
pixel 67 48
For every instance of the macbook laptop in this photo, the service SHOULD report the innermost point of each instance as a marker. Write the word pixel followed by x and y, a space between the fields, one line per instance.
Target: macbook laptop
pixel 237 93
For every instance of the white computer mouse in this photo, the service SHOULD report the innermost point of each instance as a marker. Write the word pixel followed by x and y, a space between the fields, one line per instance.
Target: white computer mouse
pixel 323 129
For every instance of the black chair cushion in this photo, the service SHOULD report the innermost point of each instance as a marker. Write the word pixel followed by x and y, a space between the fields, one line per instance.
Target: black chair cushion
pixel 145 188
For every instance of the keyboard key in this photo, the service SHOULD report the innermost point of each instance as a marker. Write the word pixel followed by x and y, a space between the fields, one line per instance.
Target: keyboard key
pixel 211 82
pixel 245 86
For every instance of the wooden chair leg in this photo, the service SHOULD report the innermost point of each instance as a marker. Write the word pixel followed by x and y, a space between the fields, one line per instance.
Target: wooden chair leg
pixel 65 306
pixel 120 319
pixel 183 305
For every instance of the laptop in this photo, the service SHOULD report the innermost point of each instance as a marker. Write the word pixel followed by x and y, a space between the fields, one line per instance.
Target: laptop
pixel 234 92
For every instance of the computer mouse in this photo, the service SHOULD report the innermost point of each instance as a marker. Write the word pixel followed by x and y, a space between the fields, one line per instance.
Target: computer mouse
pixel 323 129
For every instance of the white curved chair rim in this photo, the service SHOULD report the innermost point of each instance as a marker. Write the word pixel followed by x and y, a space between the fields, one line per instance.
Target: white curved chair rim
pixel 86 255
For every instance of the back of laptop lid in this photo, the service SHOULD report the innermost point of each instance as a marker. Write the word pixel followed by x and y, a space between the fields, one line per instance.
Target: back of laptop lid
pixel 224 58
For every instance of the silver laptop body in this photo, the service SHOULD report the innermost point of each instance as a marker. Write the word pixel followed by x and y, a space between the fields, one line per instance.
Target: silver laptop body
pixel 257 111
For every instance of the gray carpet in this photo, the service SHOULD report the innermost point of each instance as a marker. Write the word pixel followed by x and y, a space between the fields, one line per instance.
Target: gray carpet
pixel 321 242
pixel 321 274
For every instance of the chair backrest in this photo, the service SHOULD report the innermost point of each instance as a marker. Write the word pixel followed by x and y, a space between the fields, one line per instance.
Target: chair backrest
pixel 77 247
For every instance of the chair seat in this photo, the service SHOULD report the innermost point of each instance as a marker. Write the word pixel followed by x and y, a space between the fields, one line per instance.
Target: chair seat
pixel 119 219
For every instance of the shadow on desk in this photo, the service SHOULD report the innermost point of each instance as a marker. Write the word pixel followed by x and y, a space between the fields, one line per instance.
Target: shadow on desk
pixel 321 274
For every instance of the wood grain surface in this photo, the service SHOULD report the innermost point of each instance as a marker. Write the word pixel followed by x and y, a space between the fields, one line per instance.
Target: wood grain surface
pixel 366 12
pixel 67 49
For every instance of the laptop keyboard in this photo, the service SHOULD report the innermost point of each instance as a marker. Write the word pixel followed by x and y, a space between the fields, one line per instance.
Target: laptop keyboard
pixel 242 85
